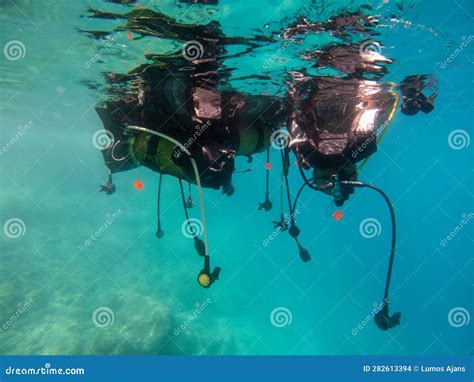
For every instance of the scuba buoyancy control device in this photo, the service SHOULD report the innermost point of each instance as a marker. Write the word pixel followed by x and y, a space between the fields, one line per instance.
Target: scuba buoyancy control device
pixel 335 121
pixel 221 125
pixel 343 119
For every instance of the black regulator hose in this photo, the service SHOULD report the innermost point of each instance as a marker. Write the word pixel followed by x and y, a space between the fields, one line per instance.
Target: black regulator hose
pixel 285 160
pixel 294 230
pixel 159 232
pixel 267 205
pixel 198 243
pixel 382 318
pixel 298 194
pixel 394 227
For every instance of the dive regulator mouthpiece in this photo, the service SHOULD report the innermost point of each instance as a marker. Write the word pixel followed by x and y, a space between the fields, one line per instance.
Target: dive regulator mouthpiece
pixel 206 278
pixel 109 188
pixel 265 205
pixel 384 321
pixel 304 253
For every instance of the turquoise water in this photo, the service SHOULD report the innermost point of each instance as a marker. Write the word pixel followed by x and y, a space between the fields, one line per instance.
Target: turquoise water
pixel 129 293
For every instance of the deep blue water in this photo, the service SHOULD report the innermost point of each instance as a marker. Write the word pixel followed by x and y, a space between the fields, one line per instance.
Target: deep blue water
pixel 59 289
